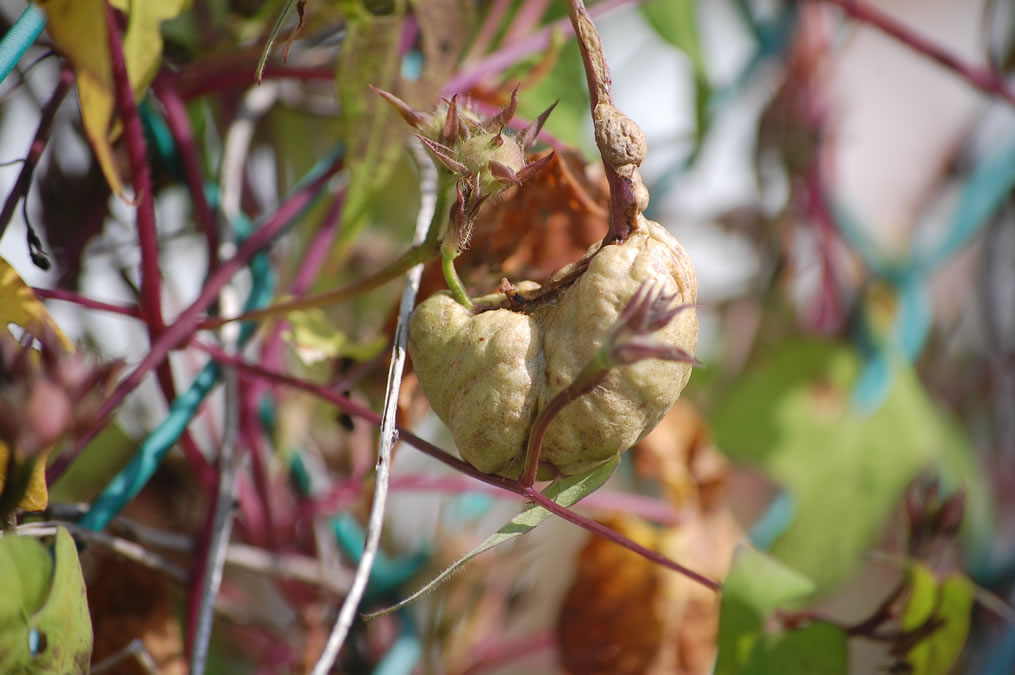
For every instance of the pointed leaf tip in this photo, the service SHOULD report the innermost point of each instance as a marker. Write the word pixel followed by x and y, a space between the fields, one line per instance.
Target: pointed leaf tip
pixel 443 154
pixel 531 133
pixel 534 167
pixel 414 118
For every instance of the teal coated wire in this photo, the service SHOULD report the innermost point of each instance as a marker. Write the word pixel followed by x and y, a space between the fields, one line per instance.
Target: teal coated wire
pixel 387 574
pixel 19 38
pixel 133 477
pixel 402 657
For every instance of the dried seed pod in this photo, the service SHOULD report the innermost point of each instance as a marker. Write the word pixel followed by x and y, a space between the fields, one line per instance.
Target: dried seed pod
pixel 487 375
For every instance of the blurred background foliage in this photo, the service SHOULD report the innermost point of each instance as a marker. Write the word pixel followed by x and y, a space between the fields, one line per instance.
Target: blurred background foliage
pixel 840 173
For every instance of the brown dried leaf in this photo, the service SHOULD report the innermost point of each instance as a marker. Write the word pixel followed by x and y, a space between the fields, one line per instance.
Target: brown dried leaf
pixel 631 616
pixel 534 230
pixel 128 601
pixel 613 619
pixel 692 627
pixel 679 453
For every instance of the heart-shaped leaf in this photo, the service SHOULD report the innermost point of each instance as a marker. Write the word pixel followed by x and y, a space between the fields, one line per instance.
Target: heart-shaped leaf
pixel 45 626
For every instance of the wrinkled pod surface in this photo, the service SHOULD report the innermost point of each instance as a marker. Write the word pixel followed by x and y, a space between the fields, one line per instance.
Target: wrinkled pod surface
pixel 487 375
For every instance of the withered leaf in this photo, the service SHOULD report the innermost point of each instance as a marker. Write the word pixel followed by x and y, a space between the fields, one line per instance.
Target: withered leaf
pixel 613 618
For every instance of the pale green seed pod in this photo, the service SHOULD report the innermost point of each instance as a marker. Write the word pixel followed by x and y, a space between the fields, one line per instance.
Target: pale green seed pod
pixel 487 375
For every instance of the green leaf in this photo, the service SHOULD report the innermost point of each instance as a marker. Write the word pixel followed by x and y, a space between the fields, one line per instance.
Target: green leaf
pixel 103 457
pixel 142 43
pixel 372 132
pixel 676 21
pixel 816 649
pixel 44 622
pixel 315 338
pixel 950 601
pixel 791 415
pixel 565 82
pixel 566 492
pixel 756 586
pixel 25 567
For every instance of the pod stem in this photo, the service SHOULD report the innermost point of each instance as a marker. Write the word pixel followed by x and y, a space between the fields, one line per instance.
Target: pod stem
pixel 587 381
pixel 454 282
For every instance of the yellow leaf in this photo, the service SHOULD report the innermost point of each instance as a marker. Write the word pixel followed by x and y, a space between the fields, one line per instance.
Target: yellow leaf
pixel 19 305
pixel 36 497
pixel 142 45
pixel 314 339
pixel 78 29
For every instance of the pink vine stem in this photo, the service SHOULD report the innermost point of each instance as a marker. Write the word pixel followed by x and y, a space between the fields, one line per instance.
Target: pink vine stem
pixel 165 87
pixel 315 256
pixel 76 298
pixel 983 78
pixel 133 136
pixel 204 78
pixel 529 493
pixel 503 58
pixel 151 282
pixel 186 323
pixel 35 150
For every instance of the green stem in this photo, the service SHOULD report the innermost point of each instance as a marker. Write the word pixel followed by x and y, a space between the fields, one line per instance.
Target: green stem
pixel 396 268
pixel 455 283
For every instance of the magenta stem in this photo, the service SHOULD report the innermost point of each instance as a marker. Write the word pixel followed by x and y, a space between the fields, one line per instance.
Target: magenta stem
pixel 251 431
pixel 530 493
pixel 511 54
pixel 140 174
pixel 186 323
pixel 488 30
pixel 573 391
pixel 151 281
pixel 179 126
pixel 314 257
pixel 612 535
pixel 346 492
pixel 35 150
pixel 983 78
pixel 204 78
pixel 198 567
pixel 86 302
pixel 525 19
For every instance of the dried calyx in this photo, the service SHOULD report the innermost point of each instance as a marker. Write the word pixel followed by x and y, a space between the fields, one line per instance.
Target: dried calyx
pixel 478 150
pixel 479 157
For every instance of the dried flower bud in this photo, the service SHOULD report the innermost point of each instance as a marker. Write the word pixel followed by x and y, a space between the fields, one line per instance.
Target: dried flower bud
pixel 470 145
pixel 47 393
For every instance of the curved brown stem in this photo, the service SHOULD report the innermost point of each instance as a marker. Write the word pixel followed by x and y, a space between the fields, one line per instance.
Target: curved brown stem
pixel 616 134
pixel 577 389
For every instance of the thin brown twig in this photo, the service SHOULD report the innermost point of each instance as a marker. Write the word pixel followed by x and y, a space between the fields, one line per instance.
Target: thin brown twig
pixel 616 135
